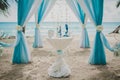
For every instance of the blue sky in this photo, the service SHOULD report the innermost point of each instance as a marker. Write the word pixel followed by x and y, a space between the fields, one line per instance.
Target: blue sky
pixel 62 12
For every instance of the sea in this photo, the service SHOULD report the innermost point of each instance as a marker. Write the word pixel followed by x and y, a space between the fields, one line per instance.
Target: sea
pixel 74 27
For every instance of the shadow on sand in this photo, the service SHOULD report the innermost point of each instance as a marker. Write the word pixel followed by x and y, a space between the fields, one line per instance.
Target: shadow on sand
pixel 105 74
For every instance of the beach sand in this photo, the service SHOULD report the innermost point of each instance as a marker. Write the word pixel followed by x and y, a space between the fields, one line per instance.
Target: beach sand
pixel 76 58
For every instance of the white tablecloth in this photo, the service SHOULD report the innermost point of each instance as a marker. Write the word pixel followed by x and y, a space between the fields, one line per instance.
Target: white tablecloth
pixel 59 68
pixel 60 43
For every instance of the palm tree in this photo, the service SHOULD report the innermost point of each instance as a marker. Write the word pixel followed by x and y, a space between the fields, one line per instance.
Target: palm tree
pixel 118 4
pixel 118 28
pixel 4 5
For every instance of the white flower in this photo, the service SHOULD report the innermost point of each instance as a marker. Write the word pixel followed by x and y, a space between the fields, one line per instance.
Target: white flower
pixel 99 28
pixel 37 25
pixel 19 28
pixel 83 25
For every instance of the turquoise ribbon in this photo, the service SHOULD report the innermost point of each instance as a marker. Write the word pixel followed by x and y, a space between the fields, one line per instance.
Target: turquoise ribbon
pixel 59 52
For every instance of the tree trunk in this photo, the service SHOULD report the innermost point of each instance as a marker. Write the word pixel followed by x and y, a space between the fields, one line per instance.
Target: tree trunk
pixel 116 30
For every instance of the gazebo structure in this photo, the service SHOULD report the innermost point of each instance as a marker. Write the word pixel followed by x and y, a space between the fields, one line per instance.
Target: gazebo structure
pixel 83 9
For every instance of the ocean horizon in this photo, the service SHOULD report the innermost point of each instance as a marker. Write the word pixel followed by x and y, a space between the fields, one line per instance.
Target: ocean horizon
pixel 74 27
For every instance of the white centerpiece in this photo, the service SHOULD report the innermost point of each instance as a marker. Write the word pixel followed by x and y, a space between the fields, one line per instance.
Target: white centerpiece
pixel 59 68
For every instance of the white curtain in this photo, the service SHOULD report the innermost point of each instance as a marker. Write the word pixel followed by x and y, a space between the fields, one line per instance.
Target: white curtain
pixel 50 6
pixel 84 7
pixel 33 10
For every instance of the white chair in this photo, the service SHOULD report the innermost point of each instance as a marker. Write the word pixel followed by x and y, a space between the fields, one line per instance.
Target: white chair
pixel 50 33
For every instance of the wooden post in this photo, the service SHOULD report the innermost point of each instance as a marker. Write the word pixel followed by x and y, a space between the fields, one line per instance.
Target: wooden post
pixel 23 30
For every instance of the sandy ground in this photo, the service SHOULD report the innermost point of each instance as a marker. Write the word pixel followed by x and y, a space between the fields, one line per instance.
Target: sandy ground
pixel 76 58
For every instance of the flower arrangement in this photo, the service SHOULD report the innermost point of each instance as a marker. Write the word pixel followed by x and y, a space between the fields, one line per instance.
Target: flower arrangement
pixel 37 25
pixel 83 25
pixel 19 28
pixel 99 28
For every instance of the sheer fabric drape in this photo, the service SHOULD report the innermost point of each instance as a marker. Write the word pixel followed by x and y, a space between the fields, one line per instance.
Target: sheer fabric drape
pixel 94 9
pixel 75 6
pixel 26 8
pixel 43 10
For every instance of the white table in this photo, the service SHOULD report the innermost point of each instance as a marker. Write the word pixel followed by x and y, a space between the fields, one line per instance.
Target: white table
pixel 59 68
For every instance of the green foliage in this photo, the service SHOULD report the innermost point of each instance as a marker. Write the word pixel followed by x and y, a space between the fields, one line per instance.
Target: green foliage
pixel 4 5
pixel 118 4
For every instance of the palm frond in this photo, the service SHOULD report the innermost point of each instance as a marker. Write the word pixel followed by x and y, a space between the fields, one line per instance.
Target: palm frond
pixel 4 5
pixel 118 4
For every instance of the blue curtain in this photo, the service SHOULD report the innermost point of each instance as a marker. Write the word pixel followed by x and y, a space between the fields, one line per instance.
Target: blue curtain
pixel 75 6
pixel 95 8
pixel 21 53
pixel 85 39
pixel 41 12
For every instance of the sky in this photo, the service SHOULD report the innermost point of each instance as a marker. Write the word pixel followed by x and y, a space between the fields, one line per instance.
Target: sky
pixel 61 12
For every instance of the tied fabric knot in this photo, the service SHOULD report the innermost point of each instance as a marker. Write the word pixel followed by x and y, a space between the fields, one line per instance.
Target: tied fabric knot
pixel 99 28
pixel 37 25
pixel 19 28
pixel 83 26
